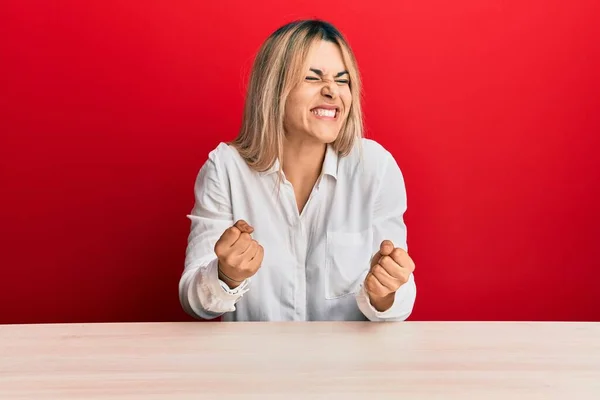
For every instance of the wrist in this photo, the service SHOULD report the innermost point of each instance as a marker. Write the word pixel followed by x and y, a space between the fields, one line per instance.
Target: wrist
pixel 382 304
pixel 232 283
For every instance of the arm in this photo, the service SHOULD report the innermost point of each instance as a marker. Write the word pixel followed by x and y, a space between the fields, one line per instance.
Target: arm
pixel 388 224
pixel 201 293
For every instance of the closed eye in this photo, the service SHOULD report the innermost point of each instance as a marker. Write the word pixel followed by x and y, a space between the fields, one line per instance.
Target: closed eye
pixel 340 81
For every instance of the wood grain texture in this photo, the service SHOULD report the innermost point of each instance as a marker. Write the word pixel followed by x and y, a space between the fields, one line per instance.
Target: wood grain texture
pixel 313 360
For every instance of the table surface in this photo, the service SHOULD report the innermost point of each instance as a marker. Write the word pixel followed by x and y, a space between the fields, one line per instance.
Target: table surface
pixel 301 360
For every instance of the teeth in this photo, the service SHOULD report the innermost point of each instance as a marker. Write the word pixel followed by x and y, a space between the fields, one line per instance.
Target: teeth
pixel 324 113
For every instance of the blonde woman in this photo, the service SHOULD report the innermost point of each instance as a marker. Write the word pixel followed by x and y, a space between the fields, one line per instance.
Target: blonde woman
pixel 300 218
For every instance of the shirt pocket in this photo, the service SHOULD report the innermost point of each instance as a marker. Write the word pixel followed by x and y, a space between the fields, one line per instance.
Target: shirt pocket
pixel 348 256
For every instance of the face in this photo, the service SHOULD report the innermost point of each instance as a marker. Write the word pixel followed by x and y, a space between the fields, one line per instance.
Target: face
pixel 317 107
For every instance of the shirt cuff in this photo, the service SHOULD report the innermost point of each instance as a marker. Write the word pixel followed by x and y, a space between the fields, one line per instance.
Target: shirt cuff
pixel 399 311
pixel 222 298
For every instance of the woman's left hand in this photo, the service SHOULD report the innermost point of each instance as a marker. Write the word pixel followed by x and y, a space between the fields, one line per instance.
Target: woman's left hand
pixel 390 268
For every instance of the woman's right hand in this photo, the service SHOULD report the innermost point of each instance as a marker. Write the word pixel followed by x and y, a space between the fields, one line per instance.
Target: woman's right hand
pixel 239 255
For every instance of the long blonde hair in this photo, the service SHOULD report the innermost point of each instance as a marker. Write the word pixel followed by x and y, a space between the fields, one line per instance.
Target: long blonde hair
pixel 278 68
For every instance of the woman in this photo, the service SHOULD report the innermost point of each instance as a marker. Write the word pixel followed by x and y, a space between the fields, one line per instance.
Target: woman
pixel 300 218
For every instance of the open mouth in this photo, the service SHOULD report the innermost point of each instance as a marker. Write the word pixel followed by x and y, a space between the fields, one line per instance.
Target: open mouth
pixel 325 113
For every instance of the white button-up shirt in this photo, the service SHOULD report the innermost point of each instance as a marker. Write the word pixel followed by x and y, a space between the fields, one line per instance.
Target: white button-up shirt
pixel 315 262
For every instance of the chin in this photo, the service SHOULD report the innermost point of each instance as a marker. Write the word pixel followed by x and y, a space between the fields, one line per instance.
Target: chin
pixel 326 137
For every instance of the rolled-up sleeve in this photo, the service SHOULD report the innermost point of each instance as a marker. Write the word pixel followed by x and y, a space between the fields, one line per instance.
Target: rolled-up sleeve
pixel 201 293
pixel 388 224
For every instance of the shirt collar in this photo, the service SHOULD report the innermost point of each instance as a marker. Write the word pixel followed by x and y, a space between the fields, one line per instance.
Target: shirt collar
pixel 330 164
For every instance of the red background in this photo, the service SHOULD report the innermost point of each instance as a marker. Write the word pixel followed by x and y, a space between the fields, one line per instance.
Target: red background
pixel 108 110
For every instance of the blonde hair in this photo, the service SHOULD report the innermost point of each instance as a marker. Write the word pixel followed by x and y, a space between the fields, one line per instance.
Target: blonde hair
pixel 278 68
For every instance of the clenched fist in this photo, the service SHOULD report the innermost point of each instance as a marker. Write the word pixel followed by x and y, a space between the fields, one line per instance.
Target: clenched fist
pixel 390 269
pixel 239 255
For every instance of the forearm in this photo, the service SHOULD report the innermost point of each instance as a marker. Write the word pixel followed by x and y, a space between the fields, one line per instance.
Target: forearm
pixel 382 303
pixel 227 280
pixel 202 295
pixel 397 308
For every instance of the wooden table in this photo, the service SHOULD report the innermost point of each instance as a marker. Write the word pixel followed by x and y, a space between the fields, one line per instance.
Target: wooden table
pixel 312 360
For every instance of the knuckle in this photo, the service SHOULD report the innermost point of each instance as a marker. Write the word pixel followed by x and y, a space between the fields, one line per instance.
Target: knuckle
pixel 398 252
pixel 245 236
pixel 221 248
pixel 229 260
pixel 247 264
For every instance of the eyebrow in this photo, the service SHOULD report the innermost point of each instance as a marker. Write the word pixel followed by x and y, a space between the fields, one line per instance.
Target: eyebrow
pixel 320 73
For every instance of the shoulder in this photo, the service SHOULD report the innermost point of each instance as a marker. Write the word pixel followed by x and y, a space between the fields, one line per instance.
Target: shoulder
pixel 226 159
pixel 223 161
pixel 223 167
pixel 369 164
pixel 368 156
pixel 224 154
pixel 373 150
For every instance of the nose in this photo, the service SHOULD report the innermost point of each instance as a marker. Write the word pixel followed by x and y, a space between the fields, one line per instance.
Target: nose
pixel 330 90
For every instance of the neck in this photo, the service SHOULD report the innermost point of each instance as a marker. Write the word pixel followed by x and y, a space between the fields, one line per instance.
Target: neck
pixel 303 160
